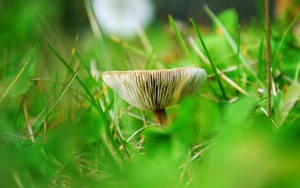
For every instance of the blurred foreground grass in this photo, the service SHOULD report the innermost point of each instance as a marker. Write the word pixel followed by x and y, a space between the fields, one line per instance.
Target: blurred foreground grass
pixel 61 127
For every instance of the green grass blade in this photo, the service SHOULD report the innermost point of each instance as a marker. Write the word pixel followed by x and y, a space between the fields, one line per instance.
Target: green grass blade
pixel 144 40
pixel 180 39
pixel 148 55
pixel 96 104
pixel 106 136
pixel 268 56
pixel 73 55
pixel 129 46
pixel 209 58
pixel 14 81
pixel 84 64
pixel 297 74
pixel 237 54
pixel 284 38
pixel 233 44
pixel 116 124
pixel 71 71
pixel 91 97
pixel 100 38
pixel 287 102
pixel 260 63
pixel 93 20
pixel 48 109
pixel 260 11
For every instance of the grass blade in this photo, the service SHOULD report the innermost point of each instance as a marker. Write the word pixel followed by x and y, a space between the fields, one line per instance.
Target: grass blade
pixel 180 39
pixel 93 20
pixel 144 40
pixel 84 64
pixel 149 55
pixel 287 102
pixel 283 39
pixel 92 100
pixel 14 81
pixel 209 58
pixel 232 44
pixel 110 146
pixel 237 54
pixel 129 46
pixel 269 56
pixel 48 109
pixel 297 74
pixel 100 38
pixel 260 63
pixel 222 75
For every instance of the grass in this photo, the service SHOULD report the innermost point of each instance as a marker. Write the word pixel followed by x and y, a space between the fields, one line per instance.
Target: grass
pixel 268 56
pixel 284 38
pixel 180 39
pixel 14 81
pixel 209 58
pixel 62 127
pixel 232 43
pixel 48 108
pixel 238 52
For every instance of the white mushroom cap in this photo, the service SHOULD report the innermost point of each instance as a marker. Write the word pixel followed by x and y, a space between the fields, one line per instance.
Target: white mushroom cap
pixel 155 89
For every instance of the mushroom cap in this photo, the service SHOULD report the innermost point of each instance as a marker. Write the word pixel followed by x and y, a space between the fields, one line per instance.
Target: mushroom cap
pixel 155 89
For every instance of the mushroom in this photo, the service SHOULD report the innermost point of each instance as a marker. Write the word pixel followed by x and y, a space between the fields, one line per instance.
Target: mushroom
pixel 154 90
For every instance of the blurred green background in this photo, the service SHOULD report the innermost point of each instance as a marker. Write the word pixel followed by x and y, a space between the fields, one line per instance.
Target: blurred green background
pixel 60 126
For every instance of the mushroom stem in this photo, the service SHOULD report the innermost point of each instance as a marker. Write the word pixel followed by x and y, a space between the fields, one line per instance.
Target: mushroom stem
pixel 160 116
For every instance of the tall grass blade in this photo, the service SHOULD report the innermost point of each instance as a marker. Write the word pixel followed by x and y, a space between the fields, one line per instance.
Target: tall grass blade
pixel 284 38
pixel 93 21
pixel 14 81
pixel 149 55
pixel 180 40
pixel 260 11
pixel 260 63
pixel 108 140
pixel 48 109
pixel 232 44
pixel 222 75
pixel 287 102
pixel 210 60
pixel 144 40
pixel 268 56
pixel 129 46
pixel 297 74
pixel 84 64
pixel 237 54
pixel 64 62
pixel 103 53
pixel 73 55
